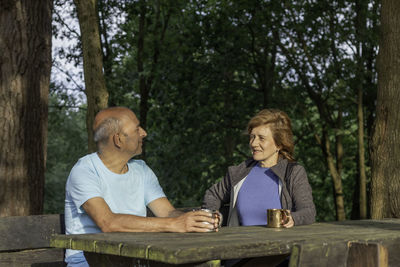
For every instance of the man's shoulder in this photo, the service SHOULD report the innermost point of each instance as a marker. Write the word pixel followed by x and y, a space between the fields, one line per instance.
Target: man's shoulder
pixel 86 160
pixel 84 164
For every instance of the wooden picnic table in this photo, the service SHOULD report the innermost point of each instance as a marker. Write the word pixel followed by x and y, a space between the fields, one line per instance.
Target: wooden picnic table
pixel 347 243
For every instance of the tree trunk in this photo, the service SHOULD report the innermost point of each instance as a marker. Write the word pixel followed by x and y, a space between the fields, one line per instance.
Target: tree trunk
pixel 25 63
pixel 385 148
pixel 361 24
pixel 105 44
pixel 270 77
pixel 336 179
pixel 361 155
pixel 339 144
pixel 265 66
pixel 95 86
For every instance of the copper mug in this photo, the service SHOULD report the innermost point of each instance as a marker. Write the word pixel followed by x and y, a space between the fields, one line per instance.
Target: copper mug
pixel 276 218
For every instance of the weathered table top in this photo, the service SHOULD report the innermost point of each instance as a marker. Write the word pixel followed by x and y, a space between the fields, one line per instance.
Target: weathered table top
pixel 232 242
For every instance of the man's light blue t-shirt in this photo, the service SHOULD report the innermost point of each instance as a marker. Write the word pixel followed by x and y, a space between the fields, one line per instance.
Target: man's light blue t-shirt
pixel 127 193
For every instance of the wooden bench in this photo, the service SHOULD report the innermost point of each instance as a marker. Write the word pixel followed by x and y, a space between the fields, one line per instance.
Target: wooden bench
pixel 25 240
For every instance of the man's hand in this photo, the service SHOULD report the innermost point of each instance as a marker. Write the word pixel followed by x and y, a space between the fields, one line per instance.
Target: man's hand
pixel 196 221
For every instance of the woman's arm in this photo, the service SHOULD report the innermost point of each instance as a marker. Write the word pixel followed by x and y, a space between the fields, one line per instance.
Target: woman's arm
pixel 303 205
pixel 218 194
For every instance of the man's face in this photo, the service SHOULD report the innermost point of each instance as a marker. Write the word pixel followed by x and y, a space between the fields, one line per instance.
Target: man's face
pixel 132 134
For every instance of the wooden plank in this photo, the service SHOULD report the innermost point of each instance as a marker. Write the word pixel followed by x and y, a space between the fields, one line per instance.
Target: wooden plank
pixel 172 247
pixel 240 242
pixel 367 255
pixel 393 247
pixel 29 232
pixel 318 254
pixel 33 258
pixel 103 260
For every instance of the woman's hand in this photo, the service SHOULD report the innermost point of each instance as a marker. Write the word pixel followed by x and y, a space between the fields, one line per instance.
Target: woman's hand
pixel 290 222
pixel 218 219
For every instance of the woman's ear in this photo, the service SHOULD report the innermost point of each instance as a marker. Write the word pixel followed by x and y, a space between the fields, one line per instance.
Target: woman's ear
pixel 278 148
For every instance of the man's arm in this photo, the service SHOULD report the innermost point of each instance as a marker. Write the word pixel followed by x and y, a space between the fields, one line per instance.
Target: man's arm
pixel 161 207
pixel 108 221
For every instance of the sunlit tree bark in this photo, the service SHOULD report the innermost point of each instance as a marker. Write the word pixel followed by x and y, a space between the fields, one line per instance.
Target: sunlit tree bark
pixel 95 86
pixel 385 148
pixel 25 62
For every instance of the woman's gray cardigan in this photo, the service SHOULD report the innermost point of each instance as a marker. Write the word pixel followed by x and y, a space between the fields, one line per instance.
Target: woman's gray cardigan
pixel 295 191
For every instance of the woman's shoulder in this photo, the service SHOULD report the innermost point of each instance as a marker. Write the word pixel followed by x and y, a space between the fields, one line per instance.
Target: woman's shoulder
pixel 295 164
pixel 296 169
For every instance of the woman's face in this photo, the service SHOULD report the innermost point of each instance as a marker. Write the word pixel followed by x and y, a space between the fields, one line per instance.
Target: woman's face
pixel 263 146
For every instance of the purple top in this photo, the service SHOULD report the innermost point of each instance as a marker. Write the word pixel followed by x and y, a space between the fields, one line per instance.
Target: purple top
pixel 259 192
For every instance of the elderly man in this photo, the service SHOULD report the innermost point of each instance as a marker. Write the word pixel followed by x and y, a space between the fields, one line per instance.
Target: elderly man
pixel 107 191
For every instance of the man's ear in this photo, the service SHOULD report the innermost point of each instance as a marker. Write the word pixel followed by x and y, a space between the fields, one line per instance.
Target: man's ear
pixel 117 140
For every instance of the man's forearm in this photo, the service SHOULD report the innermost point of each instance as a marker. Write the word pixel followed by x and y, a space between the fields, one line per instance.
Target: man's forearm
pixel 132 223
pixel 193 221
pixel 108 221
pixel 175 213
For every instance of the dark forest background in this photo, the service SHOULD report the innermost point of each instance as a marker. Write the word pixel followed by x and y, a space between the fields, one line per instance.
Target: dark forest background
pixel 196 71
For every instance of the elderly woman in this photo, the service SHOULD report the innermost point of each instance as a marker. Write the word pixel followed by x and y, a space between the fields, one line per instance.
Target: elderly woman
pixel 271 179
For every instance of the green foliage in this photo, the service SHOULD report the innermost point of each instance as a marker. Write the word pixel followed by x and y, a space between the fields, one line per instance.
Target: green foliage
pixel 67 141
pixel 213 65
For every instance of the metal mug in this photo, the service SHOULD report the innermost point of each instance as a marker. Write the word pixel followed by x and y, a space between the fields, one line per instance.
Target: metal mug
pixel 276 218
pixel 215 214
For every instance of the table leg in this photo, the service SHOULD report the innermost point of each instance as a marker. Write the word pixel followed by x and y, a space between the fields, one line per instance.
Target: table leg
pixel 305 255
pixel 367 254
pixel 351 254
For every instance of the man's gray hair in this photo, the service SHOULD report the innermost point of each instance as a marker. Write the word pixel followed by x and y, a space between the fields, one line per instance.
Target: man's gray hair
pixel 108 127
